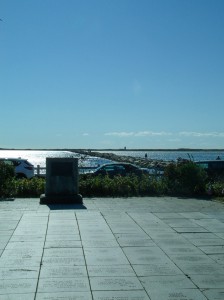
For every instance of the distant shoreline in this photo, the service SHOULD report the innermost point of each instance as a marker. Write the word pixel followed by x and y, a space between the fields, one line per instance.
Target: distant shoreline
pixel 109 149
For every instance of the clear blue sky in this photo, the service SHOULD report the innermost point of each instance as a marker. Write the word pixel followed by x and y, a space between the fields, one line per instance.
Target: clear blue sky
pixel 112 73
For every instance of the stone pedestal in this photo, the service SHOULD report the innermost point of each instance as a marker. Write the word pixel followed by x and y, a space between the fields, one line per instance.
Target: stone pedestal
pixel 61 182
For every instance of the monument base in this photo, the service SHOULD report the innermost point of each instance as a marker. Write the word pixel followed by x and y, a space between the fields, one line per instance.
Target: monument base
pixel 61 199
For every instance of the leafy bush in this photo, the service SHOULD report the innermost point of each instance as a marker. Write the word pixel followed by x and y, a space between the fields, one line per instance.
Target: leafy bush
pixel 215 189
pixel 6 176
pixel 120 186
pixel 29 187
pixel 185 179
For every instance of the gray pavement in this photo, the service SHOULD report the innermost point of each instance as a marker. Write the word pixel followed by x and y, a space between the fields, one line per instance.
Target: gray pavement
pixel 156 248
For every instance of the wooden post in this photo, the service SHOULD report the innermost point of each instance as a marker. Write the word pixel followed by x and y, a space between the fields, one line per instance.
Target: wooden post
pixel 38 170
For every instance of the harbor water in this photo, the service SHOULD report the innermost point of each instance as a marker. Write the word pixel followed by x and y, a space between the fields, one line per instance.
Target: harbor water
pixel 38 157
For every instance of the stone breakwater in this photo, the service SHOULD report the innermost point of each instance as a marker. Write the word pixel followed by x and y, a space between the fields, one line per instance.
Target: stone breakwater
pixel 141 162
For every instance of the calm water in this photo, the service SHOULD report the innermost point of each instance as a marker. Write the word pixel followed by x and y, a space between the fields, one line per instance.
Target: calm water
pixel 39 157
pixel 171 155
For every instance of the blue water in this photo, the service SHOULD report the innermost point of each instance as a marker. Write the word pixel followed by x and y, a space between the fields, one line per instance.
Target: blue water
pixel 172 155
pixel 39 157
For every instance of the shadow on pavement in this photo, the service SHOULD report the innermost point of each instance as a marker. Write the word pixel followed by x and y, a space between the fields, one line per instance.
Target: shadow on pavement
pixel 65 206
pixel 7 199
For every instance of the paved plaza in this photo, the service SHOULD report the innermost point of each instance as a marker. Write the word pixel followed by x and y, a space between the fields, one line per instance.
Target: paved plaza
pixel 157 248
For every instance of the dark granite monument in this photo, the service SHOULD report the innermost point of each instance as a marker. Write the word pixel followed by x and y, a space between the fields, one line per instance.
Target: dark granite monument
pixel 61 182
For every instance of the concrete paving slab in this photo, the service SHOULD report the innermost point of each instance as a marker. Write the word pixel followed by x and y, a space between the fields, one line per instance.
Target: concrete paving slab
pixel 63 215
pixel 63 261
pixel 214 294
pixel 142 216
pixel 99 243
pixel 216 229
pixel 97 236
pixel 219 258
pixel 58 223
pixel 116 216
pixel 29 231
pixel 189 249
pixel 202 235
pixel 168 215
pixel 115 244
pixel 194 215
pixel 160 234
pixel 63 271
pixel 19 273
pixel 178 241
pixel 154 225
pixel 88 232
pixel 57 220
pixel 62 244
pixel 180 222
pixel 110 271
pixel 62 223
pixel 19 262
pixel 62 237
pixel 22 245
pixel 115 283
pixel 64 295
pixel 122 227
pixel 159 268
pixel 135 241
pixel 144 255
pixel 63 230
pixel 163 283
pixel 28 238
pixel 195 229
pixel 220 234
pixel 212 249
pixel 93 228
pixel 177 294
pixel 5 236
pixel 52 285
pixel 202 268
pixel 120 295
pixel 183 259
pixel 207 242
pixel 208 222
pixel 22 253
pixel 63 252
pixel 208 281
pixel 17 286
pixel 8 215
pixel 3 244
pixel 28 296
pixel 9 225
pixel 141 235
pixel 213 225
pixel 105 256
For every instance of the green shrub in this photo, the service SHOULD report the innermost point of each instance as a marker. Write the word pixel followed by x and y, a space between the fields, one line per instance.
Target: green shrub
pixel 215 189
pixel 6 176
pixel 29 187
pixel 185 179
pixel 120 186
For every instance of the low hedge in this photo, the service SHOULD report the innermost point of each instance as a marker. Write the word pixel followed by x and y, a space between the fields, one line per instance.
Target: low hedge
pixel 185 179
pixel 120 186
pixel 6 177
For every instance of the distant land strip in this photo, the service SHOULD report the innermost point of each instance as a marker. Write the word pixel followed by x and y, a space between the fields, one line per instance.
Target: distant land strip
pixel 111 149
